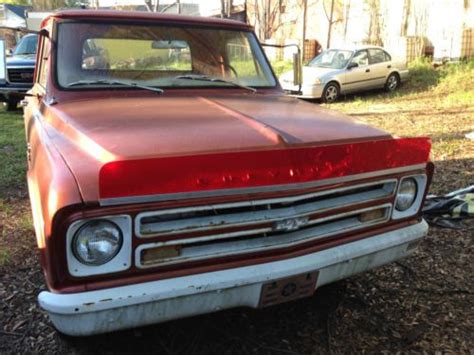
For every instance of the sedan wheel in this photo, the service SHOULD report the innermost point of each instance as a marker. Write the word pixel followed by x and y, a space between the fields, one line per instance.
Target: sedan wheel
pixel 392 82
pixel 331 93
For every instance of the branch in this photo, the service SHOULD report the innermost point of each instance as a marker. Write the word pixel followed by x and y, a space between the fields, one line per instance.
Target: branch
pixel 148 5
pixel 325 11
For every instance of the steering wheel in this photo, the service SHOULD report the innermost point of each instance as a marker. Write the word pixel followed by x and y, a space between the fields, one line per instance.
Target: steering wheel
pixel 232 69
pixel 228 66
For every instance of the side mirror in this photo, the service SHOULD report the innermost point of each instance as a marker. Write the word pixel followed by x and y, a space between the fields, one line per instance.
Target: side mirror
pixel 297 69
pixel 352 65
pixel 3 66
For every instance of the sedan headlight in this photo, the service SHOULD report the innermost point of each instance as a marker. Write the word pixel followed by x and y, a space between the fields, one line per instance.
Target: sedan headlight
pixel 406 194
pixel 97 242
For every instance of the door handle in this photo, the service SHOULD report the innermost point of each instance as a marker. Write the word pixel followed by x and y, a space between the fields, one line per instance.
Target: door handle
pixel 389 66
pixel 367 70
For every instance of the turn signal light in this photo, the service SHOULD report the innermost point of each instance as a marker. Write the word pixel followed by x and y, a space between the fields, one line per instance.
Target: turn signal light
pixel 160 254
pixel 372 215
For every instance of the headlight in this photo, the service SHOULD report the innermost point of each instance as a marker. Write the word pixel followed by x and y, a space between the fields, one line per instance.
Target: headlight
pixel 97 242
pixel 406 194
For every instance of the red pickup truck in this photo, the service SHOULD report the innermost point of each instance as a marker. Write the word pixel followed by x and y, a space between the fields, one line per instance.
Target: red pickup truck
pixel 170 176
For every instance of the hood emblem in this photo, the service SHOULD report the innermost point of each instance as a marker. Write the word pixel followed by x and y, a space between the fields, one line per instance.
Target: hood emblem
pixel 291 224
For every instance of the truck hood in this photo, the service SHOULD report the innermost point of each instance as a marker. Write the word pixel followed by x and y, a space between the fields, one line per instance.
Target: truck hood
pixel 91 133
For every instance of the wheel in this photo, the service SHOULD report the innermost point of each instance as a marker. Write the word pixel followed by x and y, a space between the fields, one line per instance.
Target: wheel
pixel 331 93
pixel 11 105
pixel 393 81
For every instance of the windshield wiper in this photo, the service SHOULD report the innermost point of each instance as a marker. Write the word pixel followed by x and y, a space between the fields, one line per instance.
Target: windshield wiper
pixel 214 80
pixel 114 82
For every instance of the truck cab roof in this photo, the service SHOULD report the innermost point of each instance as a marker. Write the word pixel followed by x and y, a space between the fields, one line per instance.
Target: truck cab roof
pixel 113 15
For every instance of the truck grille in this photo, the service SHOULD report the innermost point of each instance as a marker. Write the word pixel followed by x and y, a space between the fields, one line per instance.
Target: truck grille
pixel 201 232
pixel 21 75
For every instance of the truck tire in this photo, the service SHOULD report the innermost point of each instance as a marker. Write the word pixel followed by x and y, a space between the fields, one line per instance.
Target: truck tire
pixel 11 105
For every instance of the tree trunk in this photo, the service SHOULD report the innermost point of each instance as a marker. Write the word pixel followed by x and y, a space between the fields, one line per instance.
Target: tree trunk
pixel 305 8
pixel 406 17
pixel 222 8
pixel 330 23
pixel 346 17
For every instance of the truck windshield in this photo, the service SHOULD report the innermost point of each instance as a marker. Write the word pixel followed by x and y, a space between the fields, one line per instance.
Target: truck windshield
pixel 159 56
pixel 27 45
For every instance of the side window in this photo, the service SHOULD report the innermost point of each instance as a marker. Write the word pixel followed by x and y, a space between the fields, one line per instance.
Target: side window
pixel 361 58
pixel 43 61
pixel 388 58
pixel 377 56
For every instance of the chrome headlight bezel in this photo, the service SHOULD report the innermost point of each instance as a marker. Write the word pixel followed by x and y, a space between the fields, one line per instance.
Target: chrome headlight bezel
pixel 420 182
pixel 120 261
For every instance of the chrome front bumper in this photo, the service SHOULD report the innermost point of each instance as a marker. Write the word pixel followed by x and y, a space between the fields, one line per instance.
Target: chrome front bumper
pixel 136 305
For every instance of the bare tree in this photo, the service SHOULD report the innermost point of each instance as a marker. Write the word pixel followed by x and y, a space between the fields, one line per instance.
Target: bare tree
pixel 374 35
pixel 420 16
pixel 405 18
pixel 305 12
pixel 347 11
pixel 152 6
pixel 330 19
pixel 177 3
pixel 334 16
pixel 266 19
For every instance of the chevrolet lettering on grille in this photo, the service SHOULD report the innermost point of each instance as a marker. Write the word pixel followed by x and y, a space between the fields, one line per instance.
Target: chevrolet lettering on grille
pixel 291 224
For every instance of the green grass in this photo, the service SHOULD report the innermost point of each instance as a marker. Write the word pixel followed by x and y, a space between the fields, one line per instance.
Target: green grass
pixel 4 257
pixel 12 154
pixel 422 74
pixel 281 66
pixel 12 181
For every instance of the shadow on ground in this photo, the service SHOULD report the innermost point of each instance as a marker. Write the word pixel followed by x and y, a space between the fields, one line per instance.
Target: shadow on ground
pixel 285 328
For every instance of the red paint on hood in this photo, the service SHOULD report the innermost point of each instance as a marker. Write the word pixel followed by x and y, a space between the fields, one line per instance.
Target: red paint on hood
pixel 96 131
pixel 261 168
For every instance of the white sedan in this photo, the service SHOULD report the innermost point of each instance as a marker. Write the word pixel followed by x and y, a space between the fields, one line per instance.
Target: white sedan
pixel 341 71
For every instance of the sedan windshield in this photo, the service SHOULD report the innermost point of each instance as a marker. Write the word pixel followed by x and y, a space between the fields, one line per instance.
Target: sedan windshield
pixel 332 58
pixel 27 45
pixel 97 55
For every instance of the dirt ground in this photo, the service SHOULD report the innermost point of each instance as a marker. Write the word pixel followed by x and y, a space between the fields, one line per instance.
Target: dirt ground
pixel 421 304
